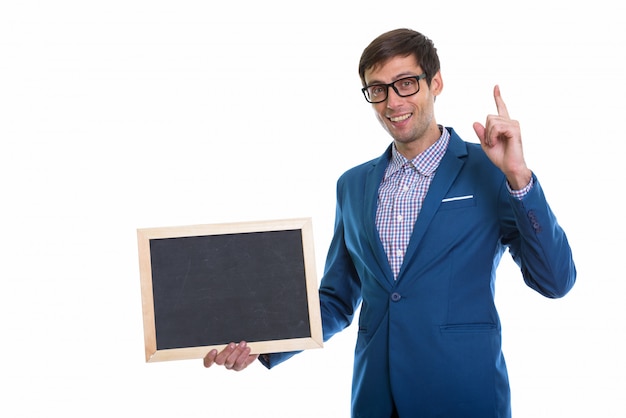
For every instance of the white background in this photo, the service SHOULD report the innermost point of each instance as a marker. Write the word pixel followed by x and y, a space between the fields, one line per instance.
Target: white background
pixel 120 115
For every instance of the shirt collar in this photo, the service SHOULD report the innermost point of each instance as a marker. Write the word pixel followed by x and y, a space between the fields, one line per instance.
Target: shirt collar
pixel 425 163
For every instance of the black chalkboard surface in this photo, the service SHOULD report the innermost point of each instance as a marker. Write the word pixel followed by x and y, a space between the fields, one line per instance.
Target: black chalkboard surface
pixel 204 286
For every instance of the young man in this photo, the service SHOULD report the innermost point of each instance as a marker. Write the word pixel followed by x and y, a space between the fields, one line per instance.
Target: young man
pixel 419 233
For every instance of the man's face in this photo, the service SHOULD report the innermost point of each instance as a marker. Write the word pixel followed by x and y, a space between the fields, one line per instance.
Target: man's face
pixel 409 120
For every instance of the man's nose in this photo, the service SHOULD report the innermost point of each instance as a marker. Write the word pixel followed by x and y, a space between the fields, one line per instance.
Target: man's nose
pixel 393 97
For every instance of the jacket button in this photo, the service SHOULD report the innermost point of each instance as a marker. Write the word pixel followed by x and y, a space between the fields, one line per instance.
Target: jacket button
pixel 533 220
pixel 396 297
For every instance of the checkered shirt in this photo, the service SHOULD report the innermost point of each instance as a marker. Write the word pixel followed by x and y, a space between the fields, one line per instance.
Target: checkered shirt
pixel 400 197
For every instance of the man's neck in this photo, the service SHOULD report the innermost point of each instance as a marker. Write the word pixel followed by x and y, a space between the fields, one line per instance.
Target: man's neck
pixel 412 149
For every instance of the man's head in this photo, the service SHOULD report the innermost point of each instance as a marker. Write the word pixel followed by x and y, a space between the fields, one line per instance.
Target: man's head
pixel 400 42
pixel 401 79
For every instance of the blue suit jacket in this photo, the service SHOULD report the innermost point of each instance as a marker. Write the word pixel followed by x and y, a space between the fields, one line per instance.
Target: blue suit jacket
pixel 430 341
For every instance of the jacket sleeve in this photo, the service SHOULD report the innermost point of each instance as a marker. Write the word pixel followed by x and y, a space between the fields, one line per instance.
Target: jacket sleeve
pixel 538 244
pixel 340 289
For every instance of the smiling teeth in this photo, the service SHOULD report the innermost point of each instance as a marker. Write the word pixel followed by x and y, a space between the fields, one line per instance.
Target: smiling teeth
pixel 400 118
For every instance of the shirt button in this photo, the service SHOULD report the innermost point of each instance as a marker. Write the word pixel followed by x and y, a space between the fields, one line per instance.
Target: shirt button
pixel 399 218
pixel 395 297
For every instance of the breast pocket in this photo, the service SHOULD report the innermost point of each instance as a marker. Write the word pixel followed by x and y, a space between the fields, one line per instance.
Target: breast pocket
pixel 456 202
pixel 478 327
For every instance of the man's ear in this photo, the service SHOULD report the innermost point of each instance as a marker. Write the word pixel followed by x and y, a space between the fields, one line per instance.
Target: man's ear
pixel 436 84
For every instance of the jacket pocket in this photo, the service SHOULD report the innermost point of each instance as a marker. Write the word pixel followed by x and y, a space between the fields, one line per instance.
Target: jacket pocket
pixel 472 327
pixel 456 202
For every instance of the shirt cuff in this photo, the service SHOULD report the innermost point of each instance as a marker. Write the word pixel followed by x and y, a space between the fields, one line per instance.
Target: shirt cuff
pixel 519 194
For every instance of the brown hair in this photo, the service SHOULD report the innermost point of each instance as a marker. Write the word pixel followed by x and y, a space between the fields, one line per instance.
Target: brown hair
pixel 400 42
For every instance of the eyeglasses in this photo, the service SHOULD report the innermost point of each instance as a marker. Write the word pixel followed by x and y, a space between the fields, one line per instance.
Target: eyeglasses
pixel 403 87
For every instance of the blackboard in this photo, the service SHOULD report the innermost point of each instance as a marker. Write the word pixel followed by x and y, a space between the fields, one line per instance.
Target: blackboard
pixel 204 286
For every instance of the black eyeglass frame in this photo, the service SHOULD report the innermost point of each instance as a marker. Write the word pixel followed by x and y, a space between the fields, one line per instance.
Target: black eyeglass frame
pixel 416 77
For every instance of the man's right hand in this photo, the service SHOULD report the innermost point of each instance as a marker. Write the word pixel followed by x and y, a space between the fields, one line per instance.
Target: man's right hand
pixel 233 357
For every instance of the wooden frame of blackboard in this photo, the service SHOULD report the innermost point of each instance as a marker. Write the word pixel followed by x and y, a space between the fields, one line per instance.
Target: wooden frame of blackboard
pixel 228 240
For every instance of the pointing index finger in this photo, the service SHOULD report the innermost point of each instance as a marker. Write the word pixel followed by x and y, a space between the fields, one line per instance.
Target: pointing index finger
pixel 502 111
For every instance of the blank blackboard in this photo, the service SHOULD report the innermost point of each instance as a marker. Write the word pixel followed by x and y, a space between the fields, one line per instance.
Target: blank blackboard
pixel 204 286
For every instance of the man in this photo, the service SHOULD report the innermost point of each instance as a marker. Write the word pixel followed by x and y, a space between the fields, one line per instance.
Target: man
pixel 419 233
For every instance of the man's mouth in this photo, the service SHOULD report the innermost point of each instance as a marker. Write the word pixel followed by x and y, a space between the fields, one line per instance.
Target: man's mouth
pixel 400 118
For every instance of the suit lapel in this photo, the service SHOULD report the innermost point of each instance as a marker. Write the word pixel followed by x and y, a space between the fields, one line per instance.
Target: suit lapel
pixel 447 172
pixel 372 183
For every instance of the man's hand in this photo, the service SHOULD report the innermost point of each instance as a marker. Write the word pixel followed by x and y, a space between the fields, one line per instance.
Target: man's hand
pixel 501 140
pixel 233 357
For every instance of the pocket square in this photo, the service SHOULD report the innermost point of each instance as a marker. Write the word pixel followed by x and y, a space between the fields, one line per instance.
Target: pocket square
pixel 452 199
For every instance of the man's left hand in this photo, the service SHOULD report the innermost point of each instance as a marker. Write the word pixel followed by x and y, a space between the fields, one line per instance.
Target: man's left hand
pixel 501 139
